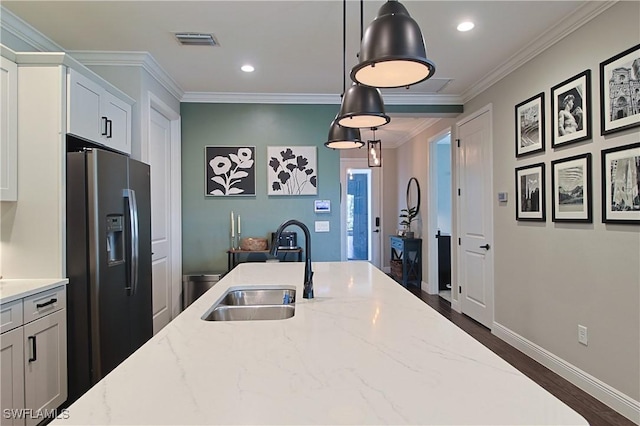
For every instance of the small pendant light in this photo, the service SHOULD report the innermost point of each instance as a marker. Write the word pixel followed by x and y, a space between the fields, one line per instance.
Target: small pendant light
pixel 343 137
pixel 393 52
pixel 374 150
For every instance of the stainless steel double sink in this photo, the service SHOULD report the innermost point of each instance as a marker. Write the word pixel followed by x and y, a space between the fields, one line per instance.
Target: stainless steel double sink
pixel 253 304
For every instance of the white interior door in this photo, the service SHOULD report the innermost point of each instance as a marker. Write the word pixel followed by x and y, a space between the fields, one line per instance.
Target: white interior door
pixel 475 272
pixel 159 159
pixel 361 230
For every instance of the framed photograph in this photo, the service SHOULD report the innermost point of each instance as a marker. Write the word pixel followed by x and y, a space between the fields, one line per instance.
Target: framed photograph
pixel 571 109
pixel 292 170
pixel 530 193
pixel 571 189
pixel 621 184
pixel 230 171
pixel 619 84
pixel 530 126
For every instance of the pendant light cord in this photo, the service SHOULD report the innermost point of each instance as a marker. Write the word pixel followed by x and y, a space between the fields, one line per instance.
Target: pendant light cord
pixel 361 20
pixel 344 47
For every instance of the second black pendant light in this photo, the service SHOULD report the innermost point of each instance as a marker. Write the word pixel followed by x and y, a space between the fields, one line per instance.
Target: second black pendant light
pixel 362 106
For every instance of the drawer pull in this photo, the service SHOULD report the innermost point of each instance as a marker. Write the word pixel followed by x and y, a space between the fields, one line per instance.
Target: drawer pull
pixel 50 302
pixel 32 339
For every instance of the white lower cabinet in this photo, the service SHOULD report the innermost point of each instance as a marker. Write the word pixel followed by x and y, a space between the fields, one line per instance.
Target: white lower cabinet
pixel 34 358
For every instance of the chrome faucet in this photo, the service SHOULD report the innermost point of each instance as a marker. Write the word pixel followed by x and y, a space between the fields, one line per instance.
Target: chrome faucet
pixel 308 273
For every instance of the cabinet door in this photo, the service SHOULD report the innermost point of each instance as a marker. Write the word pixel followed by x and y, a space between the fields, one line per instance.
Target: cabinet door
pixel 8 130
pixel 118 132
pixel 45 362
pixel 12 376
pixel 84 108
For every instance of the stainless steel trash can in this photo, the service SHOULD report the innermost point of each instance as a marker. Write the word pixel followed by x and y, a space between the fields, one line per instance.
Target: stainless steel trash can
pixel 195 285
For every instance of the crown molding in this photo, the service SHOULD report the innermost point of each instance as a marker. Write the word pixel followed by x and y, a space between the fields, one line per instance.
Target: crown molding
pixel 130 59
pixel 312 98
pixel 25 32
pixel 424 125
pixel 563 28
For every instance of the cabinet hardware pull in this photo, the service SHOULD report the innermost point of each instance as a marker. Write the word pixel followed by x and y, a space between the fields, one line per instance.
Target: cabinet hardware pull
pixel 104 126
pixel 33 347
pixel 50 302
pixel 486 246
pixel 110 125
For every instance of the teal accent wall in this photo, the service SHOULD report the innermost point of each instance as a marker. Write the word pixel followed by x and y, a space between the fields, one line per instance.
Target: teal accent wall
pixel 206 220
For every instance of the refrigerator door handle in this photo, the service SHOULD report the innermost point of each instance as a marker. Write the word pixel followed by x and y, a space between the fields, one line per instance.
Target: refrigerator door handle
pixel 133 224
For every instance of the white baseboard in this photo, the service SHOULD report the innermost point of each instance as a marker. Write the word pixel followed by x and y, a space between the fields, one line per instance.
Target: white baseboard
pixel 615 399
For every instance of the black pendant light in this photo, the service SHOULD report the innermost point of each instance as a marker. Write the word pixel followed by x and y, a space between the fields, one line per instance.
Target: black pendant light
pixel 392 52
pixel 362 106
pixel 374 150
pixel 343 137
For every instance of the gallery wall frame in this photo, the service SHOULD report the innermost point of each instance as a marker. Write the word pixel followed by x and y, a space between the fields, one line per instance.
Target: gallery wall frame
pixel 571 191
pixel 230 171
pixel 530 193
pixel 621 184
pixel 571 110
pixel 292 170
pixel 530 125
pixel 619 96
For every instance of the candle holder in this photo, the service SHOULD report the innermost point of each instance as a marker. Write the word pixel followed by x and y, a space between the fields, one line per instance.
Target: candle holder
pixel 233 242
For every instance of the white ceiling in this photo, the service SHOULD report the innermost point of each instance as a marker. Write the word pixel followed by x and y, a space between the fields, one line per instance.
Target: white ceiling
pixel 296 46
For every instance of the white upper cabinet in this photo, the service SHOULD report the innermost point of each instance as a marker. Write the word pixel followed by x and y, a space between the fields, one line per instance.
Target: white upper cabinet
pixel 8 130
pixel 97 115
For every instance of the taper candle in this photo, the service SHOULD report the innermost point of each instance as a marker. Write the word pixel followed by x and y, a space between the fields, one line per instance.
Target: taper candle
pixel 233 233
pixel 239 225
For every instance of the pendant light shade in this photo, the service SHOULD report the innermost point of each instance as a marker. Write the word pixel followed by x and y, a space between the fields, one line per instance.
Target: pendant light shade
pixel 343 137
pixel 392 52
pixel 362 106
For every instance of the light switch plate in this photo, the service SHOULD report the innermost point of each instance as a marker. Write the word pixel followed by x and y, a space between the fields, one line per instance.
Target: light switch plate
pixel 322 226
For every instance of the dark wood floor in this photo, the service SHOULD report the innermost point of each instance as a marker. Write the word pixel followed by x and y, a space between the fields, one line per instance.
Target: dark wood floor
pixel 594 411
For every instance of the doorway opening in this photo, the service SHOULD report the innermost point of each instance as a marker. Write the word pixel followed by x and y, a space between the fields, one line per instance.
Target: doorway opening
pixel 440 216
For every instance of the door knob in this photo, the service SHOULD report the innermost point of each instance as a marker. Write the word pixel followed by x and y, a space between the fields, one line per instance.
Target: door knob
pixel 486 246
pixel 377 230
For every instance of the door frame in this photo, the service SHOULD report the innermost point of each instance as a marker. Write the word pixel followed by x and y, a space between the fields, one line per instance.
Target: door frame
pixel 175 191
pixel 360 163
pixel 455 234
pixel 432 206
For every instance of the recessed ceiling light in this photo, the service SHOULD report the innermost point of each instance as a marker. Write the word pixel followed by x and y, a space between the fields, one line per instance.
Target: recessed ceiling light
pixel 465 26
pixel 247 68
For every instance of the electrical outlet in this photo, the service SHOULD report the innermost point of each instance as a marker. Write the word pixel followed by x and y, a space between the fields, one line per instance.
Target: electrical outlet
pixel 583 337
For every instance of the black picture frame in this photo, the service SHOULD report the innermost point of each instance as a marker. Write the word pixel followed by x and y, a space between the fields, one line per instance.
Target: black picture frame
pixel 230 171
pixel 530 129
pixel 571 189
pixel 571 110
pixel 620 172
pixel 530 193
pixel 617 88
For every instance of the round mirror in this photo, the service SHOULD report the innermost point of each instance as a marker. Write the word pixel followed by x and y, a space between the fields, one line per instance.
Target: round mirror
pixel 413 195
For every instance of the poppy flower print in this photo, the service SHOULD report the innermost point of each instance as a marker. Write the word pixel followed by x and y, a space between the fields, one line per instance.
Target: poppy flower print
pixel 292 170
pixel 230 170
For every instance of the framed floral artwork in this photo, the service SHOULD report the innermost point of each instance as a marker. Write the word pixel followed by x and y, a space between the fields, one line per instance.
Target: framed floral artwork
pixel 571 110
pixel 230 171
pixel 571 189
pixel 530 125
pixel 292 170
pixel 621 184
pixel 619 84
pixel 530 193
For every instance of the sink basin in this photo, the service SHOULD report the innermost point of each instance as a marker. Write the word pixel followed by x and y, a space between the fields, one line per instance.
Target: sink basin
pixel 254 304
pixel 251 313
pixel 268 296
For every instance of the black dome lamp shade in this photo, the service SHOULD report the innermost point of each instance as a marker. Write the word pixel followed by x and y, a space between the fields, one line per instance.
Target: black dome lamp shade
pixel 343 137
pixel 392 52
pixel 362 106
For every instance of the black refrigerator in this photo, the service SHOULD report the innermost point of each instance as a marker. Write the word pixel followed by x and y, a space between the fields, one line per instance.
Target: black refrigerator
pixel 109 308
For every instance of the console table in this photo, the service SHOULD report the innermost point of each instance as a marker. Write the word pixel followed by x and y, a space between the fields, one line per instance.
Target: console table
pixel 406 260
pixel 234 255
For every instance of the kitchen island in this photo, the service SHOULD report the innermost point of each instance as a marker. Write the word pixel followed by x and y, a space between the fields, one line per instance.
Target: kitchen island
pixel 363 351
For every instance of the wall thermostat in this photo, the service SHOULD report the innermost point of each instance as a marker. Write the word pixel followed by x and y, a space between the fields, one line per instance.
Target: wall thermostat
pixel 322 206
pixel 502 197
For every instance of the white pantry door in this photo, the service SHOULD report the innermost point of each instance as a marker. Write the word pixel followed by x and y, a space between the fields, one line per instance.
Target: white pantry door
pixel 160 158
pixel 476 217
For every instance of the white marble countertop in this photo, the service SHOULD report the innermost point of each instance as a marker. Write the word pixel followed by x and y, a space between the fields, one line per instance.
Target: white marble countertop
pixel 363 351
pixel 13 289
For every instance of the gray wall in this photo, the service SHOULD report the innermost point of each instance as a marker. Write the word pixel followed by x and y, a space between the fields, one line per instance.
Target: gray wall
pixel 206 224
pixel 550 277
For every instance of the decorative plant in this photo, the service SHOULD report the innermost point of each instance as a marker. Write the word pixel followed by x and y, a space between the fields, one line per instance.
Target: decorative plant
pixel 408 216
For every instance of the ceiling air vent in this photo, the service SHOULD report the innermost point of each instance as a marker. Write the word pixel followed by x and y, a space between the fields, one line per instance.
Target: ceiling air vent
pixel 196 39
